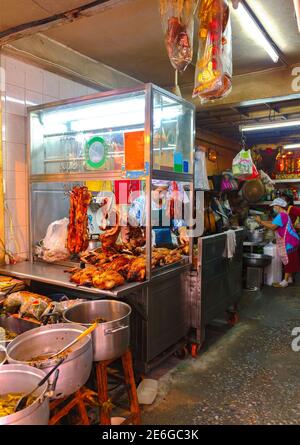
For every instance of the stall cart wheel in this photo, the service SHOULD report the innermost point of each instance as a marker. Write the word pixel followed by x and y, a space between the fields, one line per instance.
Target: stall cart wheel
pixel 195 347
pixel 182 353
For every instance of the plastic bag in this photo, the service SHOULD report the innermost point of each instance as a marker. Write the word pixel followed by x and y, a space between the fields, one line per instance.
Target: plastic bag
pixel 26 303
pixel 213 76
pixel 33 307
pixel 54 243
pixel 201 179
pixel 267 181
pixel 243 166
pixel 177 17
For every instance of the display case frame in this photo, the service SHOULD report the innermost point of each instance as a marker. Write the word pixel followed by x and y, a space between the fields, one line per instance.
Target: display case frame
pixel 151 173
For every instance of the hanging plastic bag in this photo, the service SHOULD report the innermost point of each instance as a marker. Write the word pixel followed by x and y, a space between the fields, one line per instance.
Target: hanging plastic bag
pixel 54 243
pixel 177 17
pixel 201 179
pixel 267 181
pixel 213 76
pixel 243 167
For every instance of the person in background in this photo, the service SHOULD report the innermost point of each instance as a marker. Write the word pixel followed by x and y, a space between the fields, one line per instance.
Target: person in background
pixel 162 194
pixel 293 211
pixel 235 3
pixel 287 240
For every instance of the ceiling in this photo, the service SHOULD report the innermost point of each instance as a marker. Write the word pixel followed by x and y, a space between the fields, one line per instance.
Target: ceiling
pixel 226 121
pixel 135 44
pixel 128 37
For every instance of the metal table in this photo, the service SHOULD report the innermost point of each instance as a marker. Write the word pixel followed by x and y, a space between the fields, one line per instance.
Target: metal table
pixel 56 275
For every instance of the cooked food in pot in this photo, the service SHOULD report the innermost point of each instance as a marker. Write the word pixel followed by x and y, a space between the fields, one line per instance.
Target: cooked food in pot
pixel 8 335
pixel 8 403
pixel 99 320
pixel 44 357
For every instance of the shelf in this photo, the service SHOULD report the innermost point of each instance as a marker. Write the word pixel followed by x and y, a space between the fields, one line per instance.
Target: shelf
pixel 283 181
pixel 266 203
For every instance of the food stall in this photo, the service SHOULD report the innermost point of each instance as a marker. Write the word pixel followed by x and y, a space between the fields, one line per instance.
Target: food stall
pixel 89 160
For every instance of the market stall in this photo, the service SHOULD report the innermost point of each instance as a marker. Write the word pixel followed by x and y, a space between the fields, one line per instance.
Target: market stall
pixel 95 164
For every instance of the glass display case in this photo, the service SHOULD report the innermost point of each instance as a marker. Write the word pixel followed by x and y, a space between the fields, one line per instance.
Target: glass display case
pixel 133 146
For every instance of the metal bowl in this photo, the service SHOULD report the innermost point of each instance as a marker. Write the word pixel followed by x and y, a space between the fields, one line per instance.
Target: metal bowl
pixel 110 339
pixel 73 372
pixel 22 379
pixel 257 260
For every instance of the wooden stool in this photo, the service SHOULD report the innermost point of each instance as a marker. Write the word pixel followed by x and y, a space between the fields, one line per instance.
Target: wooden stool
pixel 102 372
pixel 78 400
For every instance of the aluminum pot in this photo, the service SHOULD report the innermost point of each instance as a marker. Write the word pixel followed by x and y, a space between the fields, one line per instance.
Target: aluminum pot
pixel 73 372
pixel 22 379
pixel 256 236
pixel 110 339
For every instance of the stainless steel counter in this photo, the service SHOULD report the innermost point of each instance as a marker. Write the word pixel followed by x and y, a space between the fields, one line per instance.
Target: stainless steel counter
pixel 53 274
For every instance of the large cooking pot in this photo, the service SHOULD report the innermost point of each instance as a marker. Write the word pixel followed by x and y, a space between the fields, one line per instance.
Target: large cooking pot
pixel 16 325
pixel 73 372
pixel 110 339
pixel 22 379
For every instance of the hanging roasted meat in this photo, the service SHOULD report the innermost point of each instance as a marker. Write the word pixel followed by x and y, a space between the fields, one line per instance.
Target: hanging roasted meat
pixel 78 236
pixel 177 17
pixel 111 233
pixel 213 75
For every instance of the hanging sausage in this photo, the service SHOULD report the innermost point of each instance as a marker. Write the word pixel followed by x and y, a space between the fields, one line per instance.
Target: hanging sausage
pixel 177 17
pixel 213 77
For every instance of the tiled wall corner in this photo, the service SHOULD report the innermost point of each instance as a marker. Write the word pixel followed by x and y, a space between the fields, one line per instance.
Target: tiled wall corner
pixel 25 85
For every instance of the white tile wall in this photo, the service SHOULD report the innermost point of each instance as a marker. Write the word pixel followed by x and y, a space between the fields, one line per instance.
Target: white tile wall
pixel 25 85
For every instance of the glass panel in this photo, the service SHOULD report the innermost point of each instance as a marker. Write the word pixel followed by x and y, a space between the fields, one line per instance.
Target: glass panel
pixel 171 207
pixel 86 136
pixel 172 134
pixel 51 202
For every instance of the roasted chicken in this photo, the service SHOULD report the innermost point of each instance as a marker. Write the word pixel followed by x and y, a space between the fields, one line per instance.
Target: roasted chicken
pixel 111 268
pixel 83 277
pixel 137 270
pixel 94 258
pixel 107 280
pixel 120 264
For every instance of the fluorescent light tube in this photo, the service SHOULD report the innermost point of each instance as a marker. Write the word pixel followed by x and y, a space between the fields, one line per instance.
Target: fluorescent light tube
pixel 257 34
pixel 297 10
pixel 270 126
pixel 292 146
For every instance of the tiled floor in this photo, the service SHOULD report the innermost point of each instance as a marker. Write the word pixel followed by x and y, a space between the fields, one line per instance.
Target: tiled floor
pixel 249 375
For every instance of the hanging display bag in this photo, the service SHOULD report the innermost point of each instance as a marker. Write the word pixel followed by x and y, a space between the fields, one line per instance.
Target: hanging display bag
pixel 243 166
pixel 213 76
pixel 177 17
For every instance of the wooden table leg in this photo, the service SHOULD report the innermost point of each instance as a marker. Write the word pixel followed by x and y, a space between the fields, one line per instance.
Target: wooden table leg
pixel 82 409
pixel 101 371
pixel 132 394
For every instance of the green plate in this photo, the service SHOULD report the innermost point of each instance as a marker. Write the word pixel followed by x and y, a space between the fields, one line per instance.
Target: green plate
pixel 96 152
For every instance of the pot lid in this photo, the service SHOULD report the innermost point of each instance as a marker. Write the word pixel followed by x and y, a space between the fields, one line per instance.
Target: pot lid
pixel 253 190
